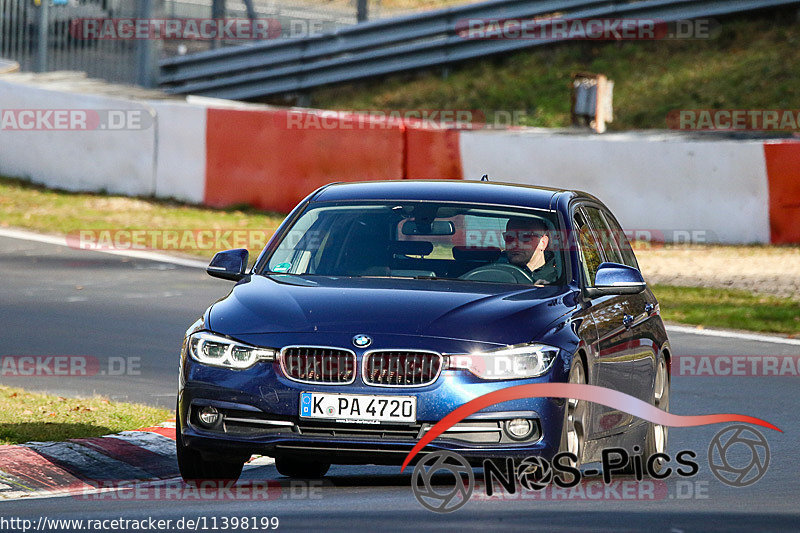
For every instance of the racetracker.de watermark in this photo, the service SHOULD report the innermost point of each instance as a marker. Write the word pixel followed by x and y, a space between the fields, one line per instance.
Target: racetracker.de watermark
pixel 584 29
pixel 68 366
pixel 639 239
pixel 590 490
pixel 734 119
pixel 736 365
pixel 75 119
pixel 171 239
pixel 188 29
pixel 381 119
pixel 205 490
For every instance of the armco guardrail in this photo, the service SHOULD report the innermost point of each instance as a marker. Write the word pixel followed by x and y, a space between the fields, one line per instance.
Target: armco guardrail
pixel 404 43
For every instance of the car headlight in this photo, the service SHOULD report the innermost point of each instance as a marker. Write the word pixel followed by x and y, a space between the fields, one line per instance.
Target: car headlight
pixel 512 362
pixel 215 350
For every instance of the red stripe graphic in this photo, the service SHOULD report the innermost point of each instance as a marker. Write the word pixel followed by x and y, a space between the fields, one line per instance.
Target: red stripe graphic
pixel 590 393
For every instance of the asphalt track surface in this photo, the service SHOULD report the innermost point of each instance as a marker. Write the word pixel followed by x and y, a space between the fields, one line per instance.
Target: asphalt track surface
pixel 59 301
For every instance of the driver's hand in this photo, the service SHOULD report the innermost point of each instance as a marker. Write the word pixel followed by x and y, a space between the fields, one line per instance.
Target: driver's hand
pixel 541 282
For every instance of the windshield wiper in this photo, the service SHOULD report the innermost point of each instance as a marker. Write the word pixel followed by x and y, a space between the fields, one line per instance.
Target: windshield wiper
pixel 402 277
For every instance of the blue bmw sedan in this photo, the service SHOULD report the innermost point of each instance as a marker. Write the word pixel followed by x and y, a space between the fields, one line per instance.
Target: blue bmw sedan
pixel 377 308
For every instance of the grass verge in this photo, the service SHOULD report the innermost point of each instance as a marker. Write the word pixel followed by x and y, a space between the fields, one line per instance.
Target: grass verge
pixel 25 205
pixel 728 308
pixel 30 416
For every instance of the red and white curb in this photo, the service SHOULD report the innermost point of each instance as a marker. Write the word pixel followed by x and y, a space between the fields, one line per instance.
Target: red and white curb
pixel 90 465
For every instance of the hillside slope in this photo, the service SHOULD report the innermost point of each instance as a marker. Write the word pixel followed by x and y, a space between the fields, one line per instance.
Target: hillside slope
pixel 749 63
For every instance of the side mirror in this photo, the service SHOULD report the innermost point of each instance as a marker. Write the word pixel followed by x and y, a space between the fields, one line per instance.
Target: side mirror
pixel 230 264
pixel 613 278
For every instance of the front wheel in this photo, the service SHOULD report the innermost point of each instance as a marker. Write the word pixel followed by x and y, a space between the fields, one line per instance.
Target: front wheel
pixel 194 468
pixel 657 434
pixel 573 432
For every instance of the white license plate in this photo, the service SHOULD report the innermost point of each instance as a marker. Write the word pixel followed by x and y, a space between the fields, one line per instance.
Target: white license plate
pixel 358 407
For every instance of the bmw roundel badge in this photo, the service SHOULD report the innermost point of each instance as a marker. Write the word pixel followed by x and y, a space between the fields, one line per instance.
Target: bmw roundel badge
pixel 362 341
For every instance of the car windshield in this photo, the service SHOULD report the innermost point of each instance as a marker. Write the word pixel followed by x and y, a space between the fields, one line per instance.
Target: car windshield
pixel 422 240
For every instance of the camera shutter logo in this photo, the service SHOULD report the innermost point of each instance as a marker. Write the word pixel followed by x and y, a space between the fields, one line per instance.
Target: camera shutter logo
pixel 738 455
pixel 534 473
pixel 450 498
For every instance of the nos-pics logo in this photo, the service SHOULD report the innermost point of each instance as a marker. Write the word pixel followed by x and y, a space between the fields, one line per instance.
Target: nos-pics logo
pixel 444 481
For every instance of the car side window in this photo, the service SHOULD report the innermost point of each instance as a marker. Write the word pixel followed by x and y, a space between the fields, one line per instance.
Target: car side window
pixel 590 255
pixel 628 257
pixel 607 241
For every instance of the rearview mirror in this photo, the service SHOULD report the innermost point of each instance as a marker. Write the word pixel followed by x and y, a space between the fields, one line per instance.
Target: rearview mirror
pixel 614 278
pixel 230 264
pixel 437 227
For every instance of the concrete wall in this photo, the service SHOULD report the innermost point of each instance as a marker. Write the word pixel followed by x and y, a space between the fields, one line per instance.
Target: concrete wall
pixel 220 153
pixel 120 162
pixel 181 151
pixel 658 182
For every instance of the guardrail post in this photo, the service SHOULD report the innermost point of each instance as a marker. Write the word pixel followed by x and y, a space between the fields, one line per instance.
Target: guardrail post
pixel 218 11
pixel 251 11
pixel 145 49
pixel 41 36
pixel 362 11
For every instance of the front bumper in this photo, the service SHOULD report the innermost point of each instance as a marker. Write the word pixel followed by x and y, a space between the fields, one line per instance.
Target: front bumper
pixel 261 410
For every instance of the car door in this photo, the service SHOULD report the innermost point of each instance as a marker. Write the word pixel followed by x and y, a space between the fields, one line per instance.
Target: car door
pixel 642 307
pixel 609 315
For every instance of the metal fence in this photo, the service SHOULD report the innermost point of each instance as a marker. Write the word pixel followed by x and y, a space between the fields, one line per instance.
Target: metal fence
pixel 37 35
pixel 41 35
pixel 293 17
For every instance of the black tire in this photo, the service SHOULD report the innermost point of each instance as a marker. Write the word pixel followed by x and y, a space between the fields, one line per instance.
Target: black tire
pixel 573 431
pixel 657 436
pixel 194 468
pixel 296 467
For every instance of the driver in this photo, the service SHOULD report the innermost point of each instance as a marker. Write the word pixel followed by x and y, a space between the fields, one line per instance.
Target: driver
pixel 526 247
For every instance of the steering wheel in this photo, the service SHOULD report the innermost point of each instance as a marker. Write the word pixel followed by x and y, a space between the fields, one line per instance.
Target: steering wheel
pixel 498 273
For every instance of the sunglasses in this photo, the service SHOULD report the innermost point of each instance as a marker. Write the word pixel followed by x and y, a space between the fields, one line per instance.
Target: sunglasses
pixel 522 236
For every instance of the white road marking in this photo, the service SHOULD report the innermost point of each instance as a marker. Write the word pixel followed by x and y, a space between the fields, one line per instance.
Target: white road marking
pixel 733 335
pixel 138 254
pixel 259 460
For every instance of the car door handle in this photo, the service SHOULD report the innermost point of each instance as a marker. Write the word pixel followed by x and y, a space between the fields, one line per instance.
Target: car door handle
pixel 627 320
pixel 648 308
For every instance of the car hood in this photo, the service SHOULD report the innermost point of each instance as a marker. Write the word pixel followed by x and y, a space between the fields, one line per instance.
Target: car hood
pixel 487 312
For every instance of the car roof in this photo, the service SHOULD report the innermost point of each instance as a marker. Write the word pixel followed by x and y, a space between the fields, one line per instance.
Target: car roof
pixel 467 191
